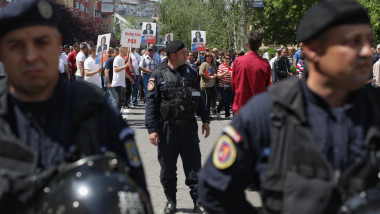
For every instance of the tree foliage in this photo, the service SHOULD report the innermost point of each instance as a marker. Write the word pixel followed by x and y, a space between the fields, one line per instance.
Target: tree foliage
pixel 76 28
pixel 278 20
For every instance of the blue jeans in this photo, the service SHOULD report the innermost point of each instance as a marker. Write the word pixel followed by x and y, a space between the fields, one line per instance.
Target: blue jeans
pixel 112 96
pixel 135 90
pixel 226 101
pixel 146 78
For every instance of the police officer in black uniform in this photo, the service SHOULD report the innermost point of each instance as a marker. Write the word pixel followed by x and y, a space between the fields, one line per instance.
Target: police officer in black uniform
pixel 45 119
pixel 172 100
pixel 307 145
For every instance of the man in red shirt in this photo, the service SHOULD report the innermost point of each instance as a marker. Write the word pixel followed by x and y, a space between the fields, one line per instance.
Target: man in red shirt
pixel 71 59
pixel 251 74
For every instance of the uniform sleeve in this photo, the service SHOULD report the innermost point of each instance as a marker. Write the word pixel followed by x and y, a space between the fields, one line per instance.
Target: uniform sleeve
pixel 233 163
pixel 202 107
pixel 153 101
pixel 120 139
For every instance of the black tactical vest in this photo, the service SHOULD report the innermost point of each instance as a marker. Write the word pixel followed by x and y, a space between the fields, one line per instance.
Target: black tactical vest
pixel 179 97
pixel 299 179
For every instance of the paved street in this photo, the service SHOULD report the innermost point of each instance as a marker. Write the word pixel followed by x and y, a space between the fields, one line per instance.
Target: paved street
pixel 148 152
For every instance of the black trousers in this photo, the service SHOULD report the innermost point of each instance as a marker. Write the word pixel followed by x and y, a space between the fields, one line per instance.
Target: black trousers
pixel 120 96
pixel 178 140
pixel 128 92
pixel 209 95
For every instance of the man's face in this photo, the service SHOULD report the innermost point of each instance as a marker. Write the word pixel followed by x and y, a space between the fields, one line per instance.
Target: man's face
pixel 284 53
pixel 151 52
pixel 180 56
pixel 115 53
pixel 30 57
pixel 92 53
pixel 190 57
pixel 301 46
pixel 378 50
pixel 346 58
pixel 77 49
pixel 66 50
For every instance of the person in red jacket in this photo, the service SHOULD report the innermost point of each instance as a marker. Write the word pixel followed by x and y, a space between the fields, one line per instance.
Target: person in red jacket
pixel 251 74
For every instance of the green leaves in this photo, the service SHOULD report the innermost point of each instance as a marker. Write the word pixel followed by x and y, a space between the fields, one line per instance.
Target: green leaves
pixel 278 20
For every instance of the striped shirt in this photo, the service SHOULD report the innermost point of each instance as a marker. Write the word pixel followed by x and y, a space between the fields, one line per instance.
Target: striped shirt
pixel 227 79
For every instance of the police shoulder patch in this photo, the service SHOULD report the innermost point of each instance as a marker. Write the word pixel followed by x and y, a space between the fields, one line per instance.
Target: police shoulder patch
pixel 152 79
pixel 230 131
pixel 224 154
pixel 132 153
pixel 150 85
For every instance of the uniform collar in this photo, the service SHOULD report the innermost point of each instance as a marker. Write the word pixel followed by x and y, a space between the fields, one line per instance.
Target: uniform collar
pixel 354 99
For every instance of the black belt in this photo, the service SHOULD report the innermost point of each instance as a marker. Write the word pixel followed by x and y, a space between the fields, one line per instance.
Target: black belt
pixel 180 122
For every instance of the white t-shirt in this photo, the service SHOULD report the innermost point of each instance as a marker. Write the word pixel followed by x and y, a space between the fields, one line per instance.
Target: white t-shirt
pixel 271 63
pixel 135 62
pixel 62 63
pixel 81 57
pixel 266 56
pixel 89 64
pixel 118 78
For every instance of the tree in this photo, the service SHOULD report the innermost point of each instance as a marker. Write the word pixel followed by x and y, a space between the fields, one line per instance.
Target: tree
pixel 373 8
pixel 277 21
pixel 76 28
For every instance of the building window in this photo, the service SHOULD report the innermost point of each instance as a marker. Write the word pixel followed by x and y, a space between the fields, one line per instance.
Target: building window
pixel 105 17
pixel 105 27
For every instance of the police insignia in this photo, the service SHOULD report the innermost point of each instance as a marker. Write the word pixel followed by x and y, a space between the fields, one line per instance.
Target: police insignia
pixel 45 9
pixel 224 153
pixel 152 79
pixel 133 155
pixel 230 131
pixel 150 85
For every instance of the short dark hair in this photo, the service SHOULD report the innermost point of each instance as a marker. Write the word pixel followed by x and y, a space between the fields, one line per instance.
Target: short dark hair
pixel 254 40
pixel 113 50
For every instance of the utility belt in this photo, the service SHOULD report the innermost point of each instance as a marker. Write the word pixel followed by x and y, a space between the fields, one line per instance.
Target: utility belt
pixel 179 122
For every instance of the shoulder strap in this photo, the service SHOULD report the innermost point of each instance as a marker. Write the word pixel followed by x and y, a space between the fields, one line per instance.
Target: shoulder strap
pixel 169 76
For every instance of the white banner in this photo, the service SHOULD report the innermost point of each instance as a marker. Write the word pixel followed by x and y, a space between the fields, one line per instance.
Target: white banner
pixel 131 38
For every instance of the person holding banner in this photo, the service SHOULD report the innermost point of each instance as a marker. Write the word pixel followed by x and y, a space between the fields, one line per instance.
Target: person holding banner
pixel 91 69
pixel 148 65
pixel 119 75
pixel 108 74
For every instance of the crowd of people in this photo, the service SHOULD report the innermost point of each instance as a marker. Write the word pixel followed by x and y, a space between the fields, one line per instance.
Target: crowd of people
pixel 308 143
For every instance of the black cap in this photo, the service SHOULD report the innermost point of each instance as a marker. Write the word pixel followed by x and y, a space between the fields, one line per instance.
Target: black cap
pixel 174 46
pixel 26 13
pixel 327 14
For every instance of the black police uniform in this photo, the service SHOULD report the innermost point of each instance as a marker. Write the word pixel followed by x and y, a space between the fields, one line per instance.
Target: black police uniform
pixel 281 68
pixel 77 119
pixel 292 162
pixel 170 113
